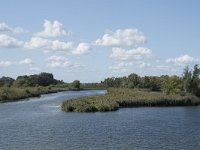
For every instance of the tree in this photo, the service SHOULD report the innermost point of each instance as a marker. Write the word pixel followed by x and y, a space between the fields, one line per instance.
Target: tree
pixel 195 82
pixel 45 79
pixel 76 84
pixel 6 81
pixel 187 79
pixel 155 83
pixel 171 85
pixel 133 80
pixel 21 82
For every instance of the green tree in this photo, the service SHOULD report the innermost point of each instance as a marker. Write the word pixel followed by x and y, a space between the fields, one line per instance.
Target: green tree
pixel 76 84
pixel 171 85
pixel 6 81
pixel 4 93
pixel 133 80
pixel 187 80
pixel 46 79
pixel 195 82
pixel 155 83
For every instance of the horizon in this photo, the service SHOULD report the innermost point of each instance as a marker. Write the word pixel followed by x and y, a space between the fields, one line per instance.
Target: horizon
pixel 93 40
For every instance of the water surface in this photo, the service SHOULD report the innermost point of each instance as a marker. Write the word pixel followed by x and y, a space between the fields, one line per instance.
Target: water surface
pixel 39 124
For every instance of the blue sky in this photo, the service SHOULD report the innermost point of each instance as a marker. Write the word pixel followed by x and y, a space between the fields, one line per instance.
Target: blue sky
pixel 90 40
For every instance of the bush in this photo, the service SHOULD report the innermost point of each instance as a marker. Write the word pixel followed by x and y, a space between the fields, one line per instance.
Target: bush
pixel 76 84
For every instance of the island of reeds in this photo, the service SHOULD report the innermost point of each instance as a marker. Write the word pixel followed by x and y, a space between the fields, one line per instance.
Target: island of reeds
pixel 147 91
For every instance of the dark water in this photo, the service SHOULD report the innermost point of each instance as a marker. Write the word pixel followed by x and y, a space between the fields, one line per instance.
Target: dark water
pixel 39 124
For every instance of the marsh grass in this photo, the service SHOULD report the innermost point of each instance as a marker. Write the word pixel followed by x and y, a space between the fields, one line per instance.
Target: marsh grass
pixel 121 98
pixel 9 94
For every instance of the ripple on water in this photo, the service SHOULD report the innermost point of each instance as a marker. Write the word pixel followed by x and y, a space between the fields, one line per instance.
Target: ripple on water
pixel 40 124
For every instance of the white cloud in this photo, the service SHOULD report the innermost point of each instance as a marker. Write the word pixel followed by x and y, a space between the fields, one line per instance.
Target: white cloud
pixel 82 48
pixel 35 69
pixel 45 44
pixel 128 66
pixel 4 28
pixel 52 29
pixel 142 64
pixel 7 63
pixel 183 60
pixel 121 67
pixel 136 54
pixel 61 62
pixel 26 61
pixel 56 58
pixel 55 45
pixel 122 37
pixel 9 42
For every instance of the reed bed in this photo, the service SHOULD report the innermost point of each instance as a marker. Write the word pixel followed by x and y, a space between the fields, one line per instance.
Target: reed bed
pixel 122 98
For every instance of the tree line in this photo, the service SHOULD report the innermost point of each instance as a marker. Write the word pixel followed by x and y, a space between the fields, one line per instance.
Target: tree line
pixel 42 79
pixel 189 82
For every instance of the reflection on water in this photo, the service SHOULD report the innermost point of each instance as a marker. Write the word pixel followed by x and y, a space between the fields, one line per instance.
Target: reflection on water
pixel 39 124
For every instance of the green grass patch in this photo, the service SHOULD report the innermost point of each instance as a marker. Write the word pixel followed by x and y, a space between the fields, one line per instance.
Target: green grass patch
pixel 121 98
pixel 9 94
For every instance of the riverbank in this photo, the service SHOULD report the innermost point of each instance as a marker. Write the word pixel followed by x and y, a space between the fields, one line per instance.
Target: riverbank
pixel 13 94
pixel 121 98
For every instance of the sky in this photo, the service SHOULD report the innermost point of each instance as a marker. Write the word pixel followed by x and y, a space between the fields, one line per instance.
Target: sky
pixel 91 40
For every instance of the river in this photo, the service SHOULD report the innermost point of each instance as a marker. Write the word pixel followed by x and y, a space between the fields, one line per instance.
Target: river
pixel 39 124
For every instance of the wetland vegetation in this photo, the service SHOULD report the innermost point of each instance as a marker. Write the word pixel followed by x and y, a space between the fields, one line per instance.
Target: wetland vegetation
pixel 29 86
pixel 136 91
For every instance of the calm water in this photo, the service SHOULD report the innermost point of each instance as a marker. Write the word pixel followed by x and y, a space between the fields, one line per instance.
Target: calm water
pixel 39 124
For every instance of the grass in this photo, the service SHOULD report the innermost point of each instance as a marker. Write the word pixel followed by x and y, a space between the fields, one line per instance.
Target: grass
pixel 121 98
pixel 14 94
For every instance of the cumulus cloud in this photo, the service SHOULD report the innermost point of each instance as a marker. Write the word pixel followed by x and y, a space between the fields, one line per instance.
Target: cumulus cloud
pixel 82 48
pixel 7 41
pixel 56 45
pixel 52 29
pixel 136 54
pixel 122 37
pixel 61 62
pixel 121 67
pixel 7 63
pixel 46 44
pixel 128 66
pixel 183 60
pixel 26 61
pixel 4 28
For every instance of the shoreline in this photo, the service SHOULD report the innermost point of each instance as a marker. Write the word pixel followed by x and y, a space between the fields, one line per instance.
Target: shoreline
pixel 31 96
pixel 46 92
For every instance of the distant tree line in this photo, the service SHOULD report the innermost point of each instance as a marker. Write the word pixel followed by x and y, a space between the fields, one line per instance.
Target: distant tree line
pixel 188 83
pixel 42 79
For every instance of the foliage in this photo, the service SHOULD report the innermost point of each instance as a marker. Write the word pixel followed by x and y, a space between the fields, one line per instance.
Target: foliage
pixel 29 86
pixel 6 81
pixel 172 85
pixel 76 84
pixel 121 97
pixel 15 94
pixel 134 81
pixel 191 80
pixel 42 79
pixel 188 83
pixel 187 79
